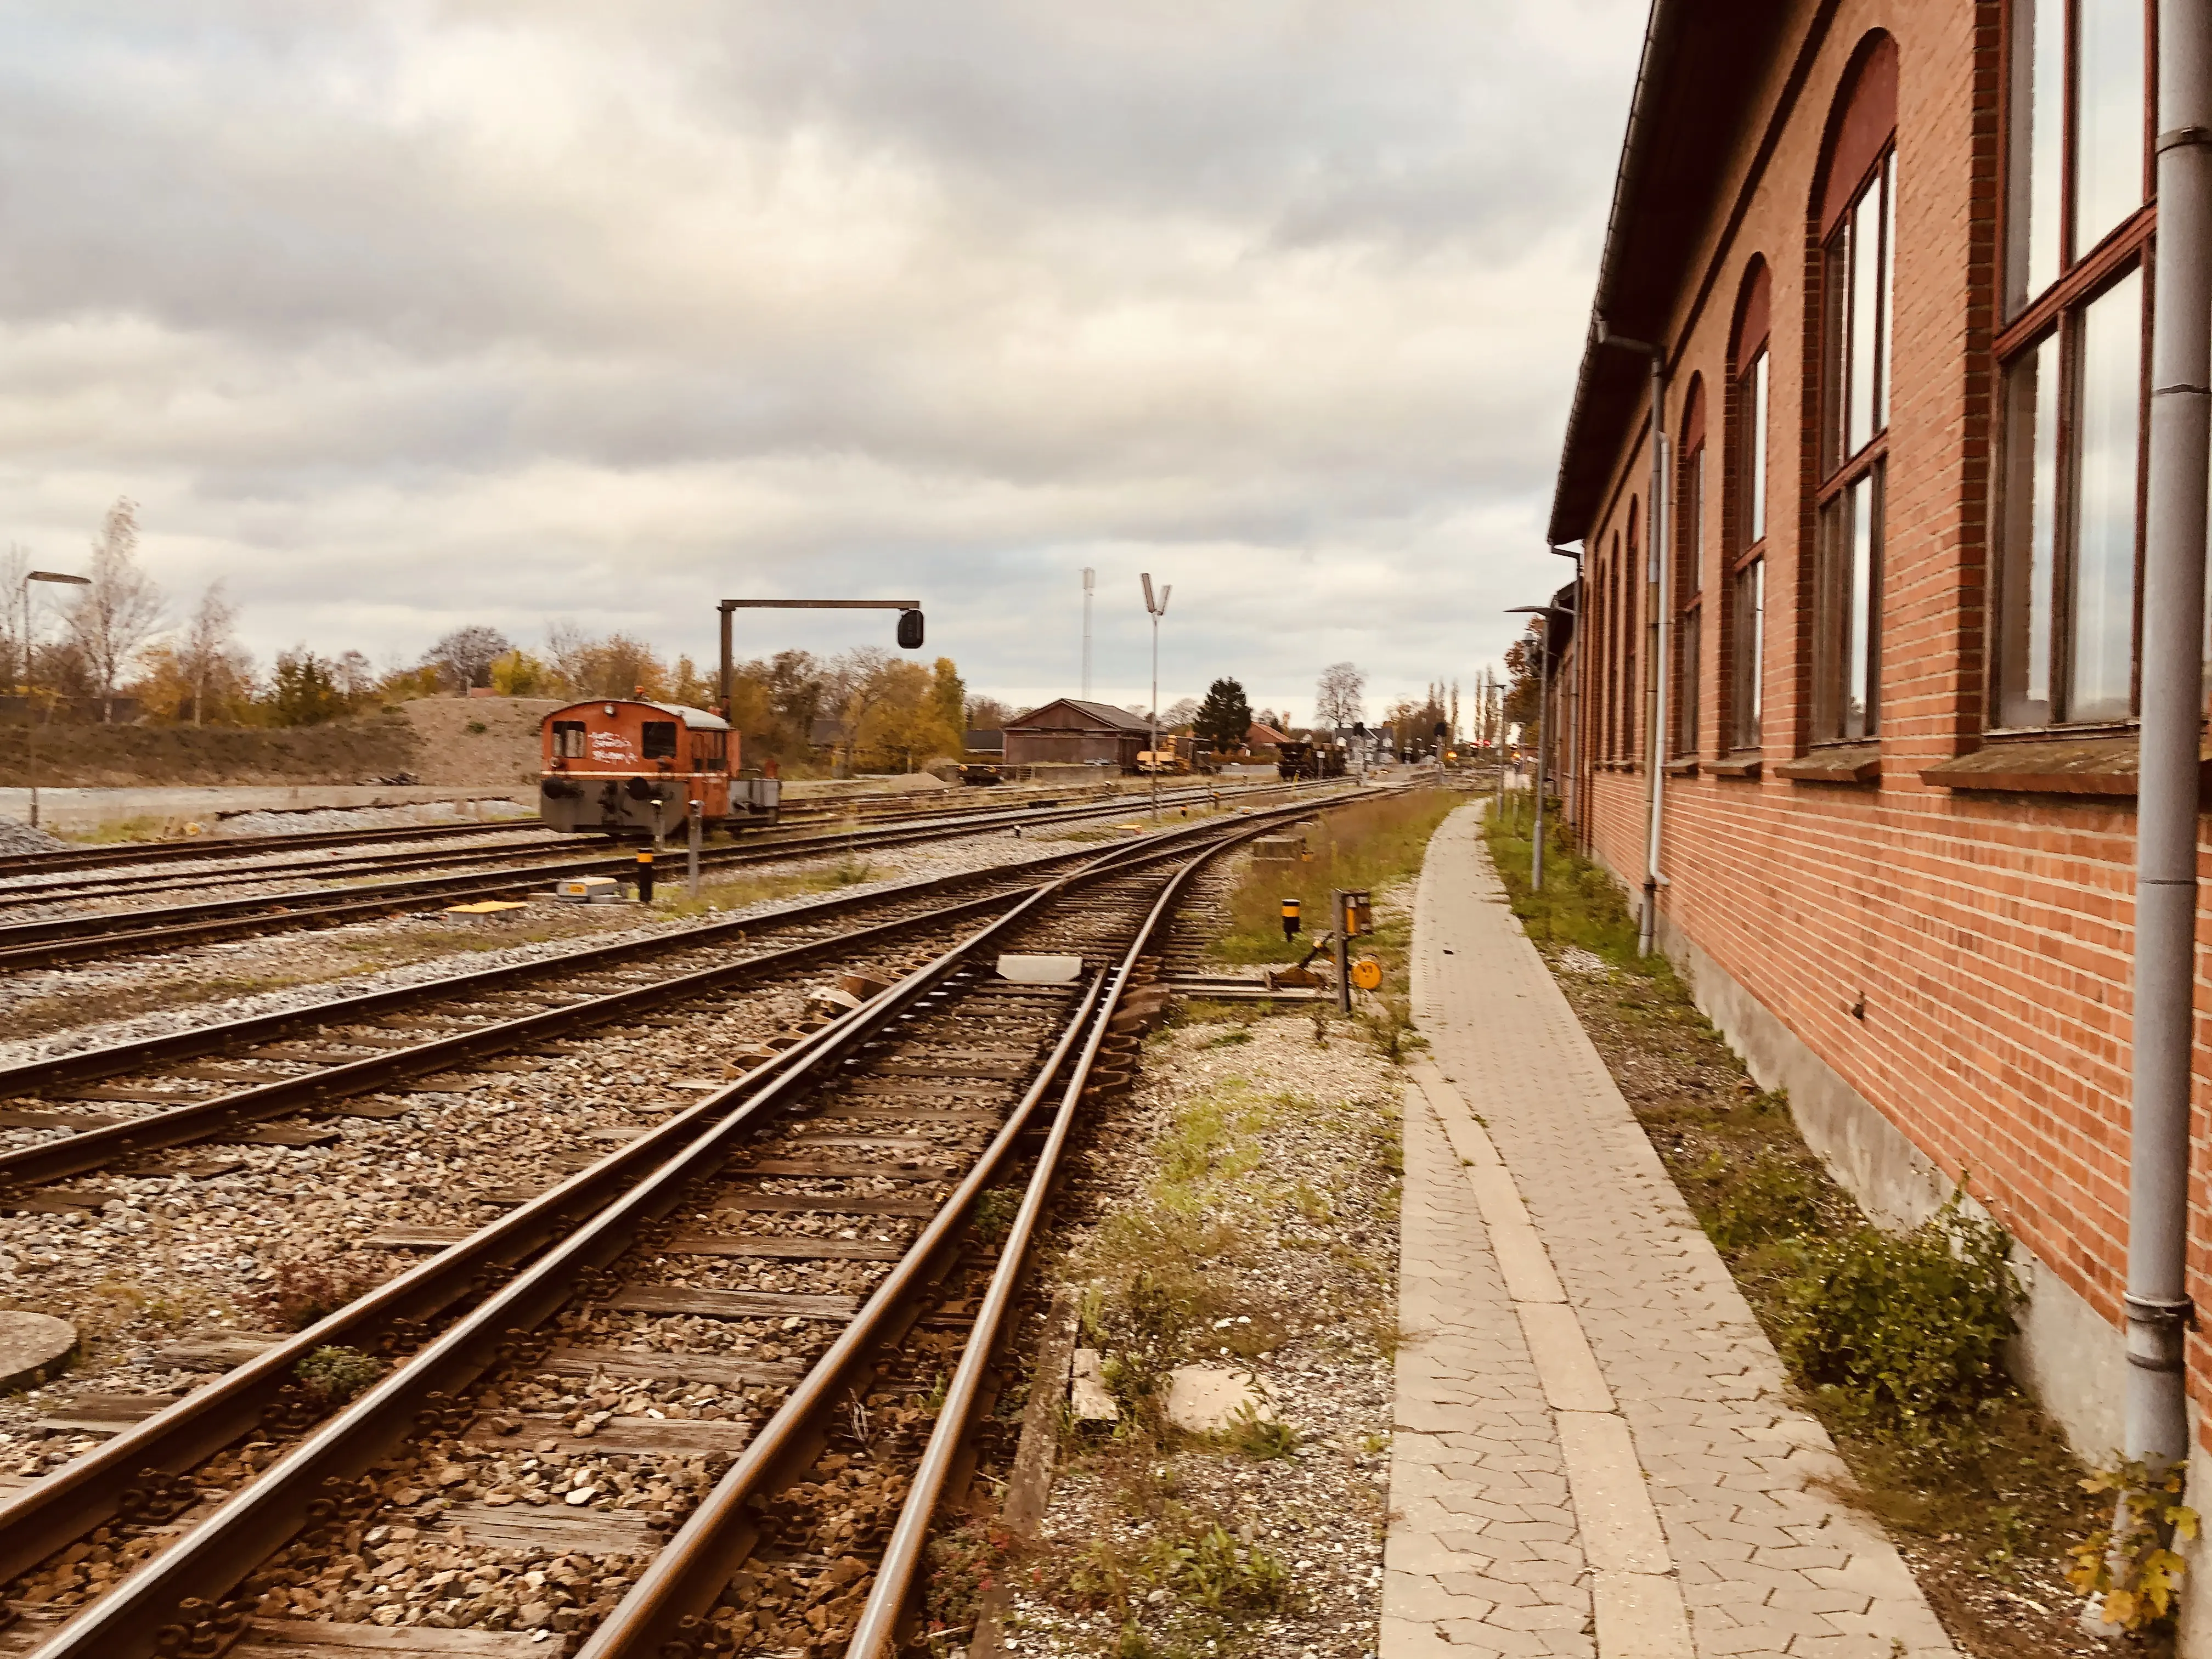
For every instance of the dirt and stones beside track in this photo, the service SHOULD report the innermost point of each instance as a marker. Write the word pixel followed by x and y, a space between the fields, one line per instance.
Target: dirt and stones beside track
pixel 249 873
pixel 92 1005
pixel 1254 1176
pixel 264 1245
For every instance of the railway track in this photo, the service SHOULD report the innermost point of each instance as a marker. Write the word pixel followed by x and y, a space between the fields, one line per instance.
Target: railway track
pixel 75 874
pixel 85 936
pixel 816 1424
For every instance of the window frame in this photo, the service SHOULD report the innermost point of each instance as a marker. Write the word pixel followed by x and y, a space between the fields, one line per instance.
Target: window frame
pixel 2059 310
pixel 1633 583
pixel 1751 482
pixel 1843 469
pixel 1688 597
pixel 2091 265
pixel 653 735
pixel 2067 324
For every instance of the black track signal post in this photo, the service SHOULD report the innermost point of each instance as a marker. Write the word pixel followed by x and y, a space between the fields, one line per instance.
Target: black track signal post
pixel 909 623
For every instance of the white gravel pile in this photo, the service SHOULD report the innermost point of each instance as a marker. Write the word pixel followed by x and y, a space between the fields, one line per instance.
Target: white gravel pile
pixel 17 836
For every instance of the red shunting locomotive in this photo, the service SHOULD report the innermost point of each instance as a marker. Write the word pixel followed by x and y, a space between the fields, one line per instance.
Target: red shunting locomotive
pixel 621 766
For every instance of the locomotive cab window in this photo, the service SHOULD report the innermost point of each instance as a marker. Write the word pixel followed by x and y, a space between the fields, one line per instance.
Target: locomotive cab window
pixel 569 739
pixel 712 750
pixel 660 739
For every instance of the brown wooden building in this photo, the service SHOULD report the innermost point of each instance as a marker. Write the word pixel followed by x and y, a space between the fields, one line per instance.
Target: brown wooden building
pixel 1070 732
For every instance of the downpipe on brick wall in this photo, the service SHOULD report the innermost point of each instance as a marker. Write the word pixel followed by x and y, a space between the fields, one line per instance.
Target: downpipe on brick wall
pixel 2158 1311
pixel 1571 695
pixel 1655 701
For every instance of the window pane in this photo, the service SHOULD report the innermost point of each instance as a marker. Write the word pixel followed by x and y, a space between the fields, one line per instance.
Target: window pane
pixel 1888 291
pixel 2108 155
pixel 2102 652
pixel 1693 520
pixel 2031 535
pixel 1685 742
pixel 2038 93
pixel 1755 452
pixel 1864 231
pixel 1750 605
pixel 1859 656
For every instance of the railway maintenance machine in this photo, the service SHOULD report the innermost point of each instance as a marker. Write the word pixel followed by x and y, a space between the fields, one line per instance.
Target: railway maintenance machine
pixel 624 767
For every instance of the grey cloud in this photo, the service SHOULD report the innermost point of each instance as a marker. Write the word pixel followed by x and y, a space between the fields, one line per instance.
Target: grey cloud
pixel 409 314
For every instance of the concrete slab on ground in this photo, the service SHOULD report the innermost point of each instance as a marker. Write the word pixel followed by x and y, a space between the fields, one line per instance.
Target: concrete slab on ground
pixel 1594 1453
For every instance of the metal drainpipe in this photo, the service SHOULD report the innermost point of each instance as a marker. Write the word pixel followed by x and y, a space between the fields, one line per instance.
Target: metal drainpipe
pixel 1571 695
pixel 1654 736
pixel 2158 1307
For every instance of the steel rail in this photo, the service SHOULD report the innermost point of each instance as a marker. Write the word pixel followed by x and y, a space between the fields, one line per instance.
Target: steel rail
pixel 887 1597
pixel 147 1054
pixel 662 1616
pixel 95 884
pixel 93 1488
pixel 163 851
pixel 40 944
pixel 219 1115
pixel 90 1489
pixel 137 1618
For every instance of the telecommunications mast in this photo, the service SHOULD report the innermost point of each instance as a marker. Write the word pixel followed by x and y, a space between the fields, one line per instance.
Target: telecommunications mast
pixel 1090 583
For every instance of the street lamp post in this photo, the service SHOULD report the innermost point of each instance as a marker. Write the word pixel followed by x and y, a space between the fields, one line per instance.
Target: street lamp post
pixel 1548 612
pixel 1156 611
pixel 30 713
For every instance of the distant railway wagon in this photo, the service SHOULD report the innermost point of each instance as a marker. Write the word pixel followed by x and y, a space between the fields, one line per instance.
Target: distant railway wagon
pixel 621 766
pixel 1298 759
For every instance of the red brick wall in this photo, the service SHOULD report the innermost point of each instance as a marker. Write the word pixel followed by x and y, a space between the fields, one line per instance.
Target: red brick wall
pixel 1988 936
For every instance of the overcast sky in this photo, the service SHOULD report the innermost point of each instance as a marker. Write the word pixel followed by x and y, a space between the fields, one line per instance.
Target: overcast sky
pixel 401 316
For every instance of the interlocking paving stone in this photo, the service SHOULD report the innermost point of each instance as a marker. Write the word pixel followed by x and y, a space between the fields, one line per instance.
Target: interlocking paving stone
pixel 1485 1556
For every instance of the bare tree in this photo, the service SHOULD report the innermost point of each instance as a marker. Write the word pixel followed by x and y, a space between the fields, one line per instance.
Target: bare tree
pixel 1338 698
pixel 464 658
pixel 15 623
pixel 987 715
pixel 120 609
pixel 209 646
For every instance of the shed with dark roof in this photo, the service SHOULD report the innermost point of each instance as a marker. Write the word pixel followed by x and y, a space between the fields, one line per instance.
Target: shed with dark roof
pixel 1068 731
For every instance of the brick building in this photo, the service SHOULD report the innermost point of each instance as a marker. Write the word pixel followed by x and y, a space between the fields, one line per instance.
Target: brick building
pixel 1891 262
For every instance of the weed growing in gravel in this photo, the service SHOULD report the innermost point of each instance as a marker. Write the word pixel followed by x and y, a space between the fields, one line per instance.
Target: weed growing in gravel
pixel 964 1562
pixel 1904 1329
pixel 1262 1436
pixel 301 1291
pixel 994 1213
pixel 1193 1576
pixel 734 892
pixel 335 1375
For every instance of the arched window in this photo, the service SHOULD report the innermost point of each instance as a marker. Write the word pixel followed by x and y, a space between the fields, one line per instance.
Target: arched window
pixel 2078 224
pixel 1613 652
pixel 1857 200
pixel 1689 569
pixel 1631 585
pixel 1744 522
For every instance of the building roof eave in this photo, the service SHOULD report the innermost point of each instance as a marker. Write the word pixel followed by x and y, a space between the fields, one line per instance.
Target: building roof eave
pixel 1693 86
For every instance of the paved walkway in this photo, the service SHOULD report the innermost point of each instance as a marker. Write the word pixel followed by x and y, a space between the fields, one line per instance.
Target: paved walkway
pixel 1594 1453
